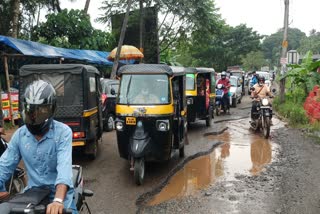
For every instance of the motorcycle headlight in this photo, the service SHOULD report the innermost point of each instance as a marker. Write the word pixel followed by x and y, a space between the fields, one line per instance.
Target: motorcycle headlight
pixel 189 101
pixel 162 125
pixel 265 102
pixel 119 126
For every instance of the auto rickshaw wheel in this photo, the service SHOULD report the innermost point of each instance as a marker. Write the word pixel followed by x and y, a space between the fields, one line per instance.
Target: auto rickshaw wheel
pixel 209 118
pixel 139 170
pixel 92 150
pixel 109 123
pixel 181 152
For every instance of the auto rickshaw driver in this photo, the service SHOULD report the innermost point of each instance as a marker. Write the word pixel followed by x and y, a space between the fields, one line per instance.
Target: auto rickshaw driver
pixel 145 95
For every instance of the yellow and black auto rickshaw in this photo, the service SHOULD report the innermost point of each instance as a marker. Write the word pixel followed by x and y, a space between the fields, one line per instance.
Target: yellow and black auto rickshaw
pixel 78 93
pixel 200 93
pixel 150 114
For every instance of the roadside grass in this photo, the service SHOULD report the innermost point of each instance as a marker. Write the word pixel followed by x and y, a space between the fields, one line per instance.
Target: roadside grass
pixel 293 112
pixel 297 118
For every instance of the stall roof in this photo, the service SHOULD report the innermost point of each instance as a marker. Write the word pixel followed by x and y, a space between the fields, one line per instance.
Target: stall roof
pixel 29 48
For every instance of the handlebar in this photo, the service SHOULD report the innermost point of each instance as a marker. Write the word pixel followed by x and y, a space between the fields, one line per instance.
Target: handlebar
pixel 36 210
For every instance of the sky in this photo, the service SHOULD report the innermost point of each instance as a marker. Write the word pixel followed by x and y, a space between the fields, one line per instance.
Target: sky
pixel 264 16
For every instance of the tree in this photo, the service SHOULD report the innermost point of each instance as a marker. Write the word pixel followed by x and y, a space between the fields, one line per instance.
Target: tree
pixel 72 29
pixel 311 43
pixel 271 45
pixel 253 61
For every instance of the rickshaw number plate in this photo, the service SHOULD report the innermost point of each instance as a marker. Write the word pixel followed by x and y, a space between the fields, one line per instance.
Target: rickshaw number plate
pixel 130 120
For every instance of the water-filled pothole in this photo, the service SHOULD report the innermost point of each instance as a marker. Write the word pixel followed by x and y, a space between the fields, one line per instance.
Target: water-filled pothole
pixel 243 152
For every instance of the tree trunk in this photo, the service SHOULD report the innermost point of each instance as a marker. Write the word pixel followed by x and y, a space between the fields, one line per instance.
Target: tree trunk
pixel 15 18
pixel 86 7
pixel 122 35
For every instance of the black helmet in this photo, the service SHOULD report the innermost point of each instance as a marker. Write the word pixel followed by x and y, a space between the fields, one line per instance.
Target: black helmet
pixel 39 105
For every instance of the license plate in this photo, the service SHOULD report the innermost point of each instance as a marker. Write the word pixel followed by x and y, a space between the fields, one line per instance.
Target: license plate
pixel 130 120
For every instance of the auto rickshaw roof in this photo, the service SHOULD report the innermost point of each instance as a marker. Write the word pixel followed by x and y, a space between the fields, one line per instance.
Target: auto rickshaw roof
pixel 57 68
pixel 205 70
pixel 198 70
pixel 151 69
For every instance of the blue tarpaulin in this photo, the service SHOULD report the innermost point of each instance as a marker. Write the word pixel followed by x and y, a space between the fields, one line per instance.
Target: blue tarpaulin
pixel 29 48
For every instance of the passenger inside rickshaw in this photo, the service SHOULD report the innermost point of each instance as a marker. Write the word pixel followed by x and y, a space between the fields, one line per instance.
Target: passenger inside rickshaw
pixel 201 84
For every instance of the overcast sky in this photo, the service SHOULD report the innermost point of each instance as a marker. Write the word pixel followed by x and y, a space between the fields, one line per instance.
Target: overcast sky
pixel 264 16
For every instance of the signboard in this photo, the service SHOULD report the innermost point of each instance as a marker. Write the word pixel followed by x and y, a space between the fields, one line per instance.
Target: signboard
pixel 283 61
pixel 6 105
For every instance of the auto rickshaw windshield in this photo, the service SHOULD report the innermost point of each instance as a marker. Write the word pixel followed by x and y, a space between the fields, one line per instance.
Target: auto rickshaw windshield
pixel 190 85
pixel 148 89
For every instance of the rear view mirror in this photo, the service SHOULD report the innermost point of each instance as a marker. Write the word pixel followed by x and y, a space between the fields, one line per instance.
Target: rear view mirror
pixel 113 92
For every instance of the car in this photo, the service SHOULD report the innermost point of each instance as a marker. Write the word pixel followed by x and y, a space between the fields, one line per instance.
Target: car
pixel 235 90
pixel 241 75
pixel 109 94
pixel 266 76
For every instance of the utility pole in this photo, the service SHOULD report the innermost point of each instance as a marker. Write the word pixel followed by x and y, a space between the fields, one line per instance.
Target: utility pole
pixel 284 52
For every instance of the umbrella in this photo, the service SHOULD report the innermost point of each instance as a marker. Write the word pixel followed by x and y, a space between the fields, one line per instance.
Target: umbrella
pixel 127 52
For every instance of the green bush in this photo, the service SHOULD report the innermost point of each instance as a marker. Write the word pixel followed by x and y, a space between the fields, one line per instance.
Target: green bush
pixel 294 112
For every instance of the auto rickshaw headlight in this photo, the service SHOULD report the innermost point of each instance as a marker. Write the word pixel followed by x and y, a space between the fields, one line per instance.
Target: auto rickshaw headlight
pixel 163 125
pixel 119 126
pixel 189 101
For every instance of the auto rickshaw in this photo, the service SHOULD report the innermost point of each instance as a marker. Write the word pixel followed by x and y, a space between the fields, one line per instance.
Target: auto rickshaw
pixel 200 93
pixel 150 114
pixel 78 93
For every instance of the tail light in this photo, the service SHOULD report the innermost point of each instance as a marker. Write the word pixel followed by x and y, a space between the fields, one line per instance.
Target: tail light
pixel 78 135
pixel 103 97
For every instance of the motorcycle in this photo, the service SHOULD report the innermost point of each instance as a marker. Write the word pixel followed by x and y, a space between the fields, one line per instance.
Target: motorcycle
pixel 220 106
pixel 36 199
pixel 16 183
pixel 262 116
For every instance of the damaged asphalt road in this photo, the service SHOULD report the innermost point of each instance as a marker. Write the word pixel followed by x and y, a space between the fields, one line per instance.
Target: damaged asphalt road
pixel 289 183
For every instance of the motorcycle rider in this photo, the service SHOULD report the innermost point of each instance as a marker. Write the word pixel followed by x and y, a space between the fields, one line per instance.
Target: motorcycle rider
pixel 258 92
pixel 226 86
pixel 254 79
pixel 45 146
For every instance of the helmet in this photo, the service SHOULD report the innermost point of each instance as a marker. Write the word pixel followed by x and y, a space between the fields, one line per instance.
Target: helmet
pixel 261 80
pixel 223 74
pixel 39 105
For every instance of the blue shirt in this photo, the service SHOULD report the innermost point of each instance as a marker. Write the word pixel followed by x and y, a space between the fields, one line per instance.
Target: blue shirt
pixel 48 161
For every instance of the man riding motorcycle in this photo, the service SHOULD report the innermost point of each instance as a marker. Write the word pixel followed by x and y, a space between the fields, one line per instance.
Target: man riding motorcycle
pixel 226 83
pixel 45 146
pixel 258 92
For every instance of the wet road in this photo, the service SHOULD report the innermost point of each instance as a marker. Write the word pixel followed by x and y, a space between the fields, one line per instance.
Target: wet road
pixel 240 152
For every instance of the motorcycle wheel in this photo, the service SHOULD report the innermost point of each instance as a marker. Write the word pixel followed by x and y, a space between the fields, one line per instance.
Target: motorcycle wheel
pixel 266 127
pixel 139 169
pixel 218 110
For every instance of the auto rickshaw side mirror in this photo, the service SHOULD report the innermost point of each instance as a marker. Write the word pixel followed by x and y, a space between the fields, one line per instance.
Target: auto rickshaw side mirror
pixel 113 92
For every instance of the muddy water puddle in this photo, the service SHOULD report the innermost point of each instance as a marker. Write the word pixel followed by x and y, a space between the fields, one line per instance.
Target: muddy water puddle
pixel 242 152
